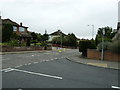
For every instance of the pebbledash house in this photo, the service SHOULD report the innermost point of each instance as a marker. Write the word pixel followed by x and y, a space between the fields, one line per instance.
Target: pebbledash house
pixel 20 30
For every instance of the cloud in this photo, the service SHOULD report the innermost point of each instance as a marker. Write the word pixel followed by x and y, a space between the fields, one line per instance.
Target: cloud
pixel 69 15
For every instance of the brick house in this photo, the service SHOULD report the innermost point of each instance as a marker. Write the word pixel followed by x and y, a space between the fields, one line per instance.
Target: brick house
pixel 20 30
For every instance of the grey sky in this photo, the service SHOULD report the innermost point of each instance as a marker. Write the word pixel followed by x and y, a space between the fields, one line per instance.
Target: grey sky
pixel 67 15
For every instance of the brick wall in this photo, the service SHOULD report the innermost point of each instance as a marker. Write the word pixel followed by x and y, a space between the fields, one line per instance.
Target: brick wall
pixel 108 55
pixel 12 49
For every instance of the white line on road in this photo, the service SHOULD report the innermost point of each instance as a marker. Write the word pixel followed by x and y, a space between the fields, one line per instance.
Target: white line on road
pixel 116 87
pixel 18 66
pixel 29 63
pixel 35 62
pixel 7 70
pixel 40 74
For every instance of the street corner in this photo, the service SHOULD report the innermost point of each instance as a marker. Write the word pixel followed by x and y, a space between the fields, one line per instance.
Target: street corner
pixel 99 64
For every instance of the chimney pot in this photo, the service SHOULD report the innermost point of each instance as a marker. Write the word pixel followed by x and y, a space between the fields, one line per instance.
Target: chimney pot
pixel 21 24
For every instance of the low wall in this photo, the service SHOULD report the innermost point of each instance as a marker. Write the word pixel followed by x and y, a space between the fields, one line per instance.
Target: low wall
pixel 12 49
pixel 108 55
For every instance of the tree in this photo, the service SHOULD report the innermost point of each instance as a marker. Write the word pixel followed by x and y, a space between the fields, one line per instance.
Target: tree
pixel 7 31
pixel 109 34
pixel 71 40
pixel 34 36
pixel 105 46
pixel 45 37
pixel 86 44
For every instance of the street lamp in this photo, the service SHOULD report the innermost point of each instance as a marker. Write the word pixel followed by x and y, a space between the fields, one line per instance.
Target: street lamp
pixel 61 38
pixel 102 53
pixel 92 30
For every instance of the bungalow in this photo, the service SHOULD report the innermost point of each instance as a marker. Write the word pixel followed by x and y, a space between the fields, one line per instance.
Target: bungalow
pixel 20 30
pixel 56 34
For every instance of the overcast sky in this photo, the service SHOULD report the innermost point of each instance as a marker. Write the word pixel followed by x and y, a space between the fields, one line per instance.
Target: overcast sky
pixel 71 16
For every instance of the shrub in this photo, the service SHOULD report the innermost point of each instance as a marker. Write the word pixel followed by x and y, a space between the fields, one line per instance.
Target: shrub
pixel 13 43
pixel 86 44
pixel 115 46
pixel 105 46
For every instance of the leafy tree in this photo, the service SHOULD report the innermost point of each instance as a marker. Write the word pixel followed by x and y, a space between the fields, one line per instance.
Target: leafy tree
pixel 105 46
pixel 109 34
pixel 7 31
pixel 86 44
pixel 45 37
pixel 34 36
pixel 14 36
pixel 69 40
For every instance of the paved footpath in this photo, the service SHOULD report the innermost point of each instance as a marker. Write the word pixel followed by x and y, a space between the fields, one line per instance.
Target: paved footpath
pixel 99 63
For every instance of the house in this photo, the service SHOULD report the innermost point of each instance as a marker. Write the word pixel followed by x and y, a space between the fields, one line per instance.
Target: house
pixel 117 36
pixel 20 30
pixel 56 34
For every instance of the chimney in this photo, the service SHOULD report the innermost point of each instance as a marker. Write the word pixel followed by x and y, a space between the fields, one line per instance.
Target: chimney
pixel 21 24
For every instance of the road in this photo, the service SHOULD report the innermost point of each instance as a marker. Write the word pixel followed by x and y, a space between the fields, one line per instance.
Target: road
pixel 52 70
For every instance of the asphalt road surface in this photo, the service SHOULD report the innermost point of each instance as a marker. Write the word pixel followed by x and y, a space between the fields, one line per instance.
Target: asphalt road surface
pixel 53 70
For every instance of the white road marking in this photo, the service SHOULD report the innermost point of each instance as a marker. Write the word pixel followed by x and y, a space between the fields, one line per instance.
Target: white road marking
pixel 35 62
pixel 52 59
pixel 18 66
pixel 25 64
pixel 29 64
pixel 46 60
pixel 7 70
pixel 116 87
pixel 40 74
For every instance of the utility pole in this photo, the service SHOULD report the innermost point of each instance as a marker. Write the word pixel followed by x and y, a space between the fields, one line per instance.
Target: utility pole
pixel 61 38
pixel 102 53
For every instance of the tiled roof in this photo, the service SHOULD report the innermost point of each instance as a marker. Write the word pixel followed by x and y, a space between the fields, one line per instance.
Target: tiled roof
pixel 58 33
pixel 8 21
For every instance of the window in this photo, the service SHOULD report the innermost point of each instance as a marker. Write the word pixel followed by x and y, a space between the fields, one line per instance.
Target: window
pixel 14 28
pixel 21 29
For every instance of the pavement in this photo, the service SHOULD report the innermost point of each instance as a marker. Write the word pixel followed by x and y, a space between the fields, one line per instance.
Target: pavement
pixel 77 58
pixel 98 63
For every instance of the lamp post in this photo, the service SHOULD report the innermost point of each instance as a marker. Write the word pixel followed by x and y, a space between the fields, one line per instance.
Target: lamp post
pixel 61 38
pixel 92 30
pixel 102 53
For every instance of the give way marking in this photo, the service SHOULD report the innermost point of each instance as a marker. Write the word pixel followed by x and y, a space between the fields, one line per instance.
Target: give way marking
pixel 115 87
pixel 33 73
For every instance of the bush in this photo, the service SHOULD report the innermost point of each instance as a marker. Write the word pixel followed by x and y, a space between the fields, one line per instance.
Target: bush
pixel 115 46
pixel 13 43
pixel 86 44
pixel 105 46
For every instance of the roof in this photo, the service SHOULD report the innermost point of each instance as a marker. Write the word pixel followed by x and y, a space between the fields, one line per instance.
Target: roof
pixel 58 33
pixel 8 21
